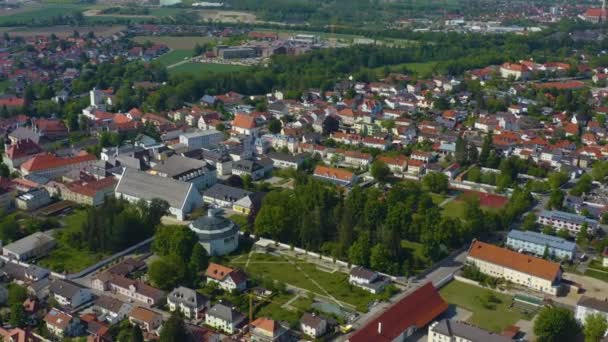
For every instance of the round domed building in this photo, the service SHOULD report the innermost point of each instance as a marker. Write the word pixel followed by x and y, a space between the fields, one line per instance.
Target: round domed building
pixel 218 235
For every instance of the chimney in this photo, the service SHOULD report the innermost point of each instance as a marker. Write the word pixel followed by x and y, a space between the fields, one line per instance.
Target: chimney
pixel 379 328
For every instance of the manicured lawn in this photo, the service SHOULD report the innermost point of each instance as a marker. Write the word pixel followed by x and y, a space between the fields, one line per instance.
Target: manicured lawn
pixel 597 274
pixel 174 56
pixel 467 297
pixel 241 220
pixel 274 310
pixel 66 258
pixel 280 269
pixel 597 264
pixel 454 209
pixel 197 68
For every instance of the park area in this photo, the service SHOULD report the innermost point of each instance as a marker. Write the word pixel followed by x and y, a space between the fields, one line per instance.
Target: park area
pixel 67 258
pixel 330 284
pixel 489 310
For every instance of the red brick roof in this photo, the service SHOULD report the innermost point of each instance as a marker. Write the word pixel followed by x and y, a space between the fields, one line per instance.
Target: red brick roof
pixel 417 309
pixel 91 188
pixel 331 172
pixel 516 261
pixel 23 148
pixel 12 102
pixel 596 12
pixel 50 125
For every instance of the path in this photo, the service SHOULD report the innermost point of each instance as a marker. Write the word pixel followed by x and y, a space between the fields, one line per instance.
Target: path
pixel 287 305
pixel 447 200
pixel 179 63
pixel 327 294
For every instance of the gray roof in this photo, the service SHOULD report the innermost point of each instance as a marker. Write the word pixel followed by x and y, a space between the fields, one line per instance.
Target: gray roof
pixel 188 297
pixel 22 133
pixel 311 320
pixel 543 239
pixel 210 227
pixel 453 328
pixel 590 302
pixel 225 312
pixel 64 288
pixel 298 158
pixel 146 186
pixel 225 192
pixel 109 303
pixel 568 217
pixel 247 165
pixel 364 273
pixel 29 243
pixel 177 165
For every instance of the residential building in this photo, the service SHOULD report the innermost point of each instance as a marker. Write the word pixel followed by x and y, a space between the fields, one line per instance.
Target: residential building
pixel 223 316
pixel 51 129
pixel 51 166
pixel 148 320
pixel 588 306
pixel 219 159
pixel 224 196
pixel 451 330
pixel 313 325
pixel 133 289
pixel 189 302
pixel 33 199
pixel 244 124
pixel 218 235
pixel 367 279
pixel 268 330
pixel 228 279
pixel 249 167
pixel 62 324
pixel 563 220
pixel 201 139
pixel 404 317
pixel 337 176
pixel 69 294
pixel 537 243
pixel 189 170
pixel 249 203
pixel 31 246
pixel 110 309
pixel 18 335
pixel 517 71
pixel 137 185
pixel 284 160
pixel 357 159
pixel 535 273
pixel 91 193
pixel 19 152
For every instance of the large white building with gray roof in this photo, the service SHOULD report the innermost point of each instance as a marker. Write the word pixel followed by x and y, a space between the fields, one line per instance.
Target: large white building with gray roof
pixel 31 246
pixel 136 185
pixel 536 243
pixel 451 330
pixel 194 171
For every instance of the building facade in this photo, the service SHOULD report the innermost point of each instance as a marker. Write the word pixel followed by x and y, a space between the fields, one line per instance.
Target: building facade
pixel 537 243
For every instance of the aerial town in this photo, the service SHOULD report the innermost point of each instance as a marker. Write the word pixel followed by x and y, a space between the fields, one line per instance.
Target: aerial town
pixel 259 172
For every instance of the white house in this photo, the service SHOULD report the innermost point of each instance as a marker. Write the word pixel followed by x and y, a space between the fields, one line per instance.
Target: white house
pixel 587 306
pixel 69 294
pixel 227 278
pixel 224 317
pixel 313 325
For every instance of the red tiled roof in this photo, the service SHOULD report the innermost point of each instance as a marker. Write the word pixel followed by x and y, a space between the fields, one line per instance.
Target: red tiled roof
pixel 23 148
pixel 243 121
pixel 561 85
pixel 332 172
pixel 50 161
pixel 516 261
pixel 596 12
pixel 12 102
pixel 217 271
pixel 50 125
pixel 91 188
pixel 416 310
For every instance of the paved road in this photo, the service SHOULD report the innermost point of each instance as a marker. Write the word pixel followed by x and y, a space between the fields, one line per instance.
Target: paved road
pixel 441 271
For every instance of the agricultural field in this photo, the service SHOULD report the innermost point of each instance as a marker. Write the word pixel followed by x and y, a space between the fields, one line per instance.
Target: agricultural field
pixel 493 316
pixel 197 68
pixel 175 43
pixel 62 31
pixel 27 14
pixel 174 56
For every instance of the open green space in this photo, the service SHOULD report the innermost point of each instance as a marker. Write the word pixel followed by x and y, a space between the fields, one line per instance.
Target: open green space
pixel 174 56
pixel 454 209
pixel 197 68
pixel 468 297
pixel 284 270
pixel 274 310
pixel 29 13
pixel 66 258
pixel 175 43
pixel 601 275
pixel 438 198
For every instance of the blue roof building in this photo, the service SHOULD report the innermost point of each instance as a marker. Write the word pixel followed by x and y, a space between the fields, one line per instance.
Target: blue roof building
pixel 535 243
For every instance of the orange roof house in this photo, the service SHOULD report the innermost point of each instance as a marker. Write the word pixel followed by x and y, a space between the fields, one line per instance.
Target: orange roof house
pixel 50 165
pixel 481 254
pixel 338 176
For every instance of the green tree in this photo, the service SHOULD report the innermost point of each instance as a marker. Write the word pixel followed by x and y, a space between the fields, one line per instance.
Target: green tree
pixel 275 126
pixel 380 171
pixel 595 327
pixel 582 237
pixel 380 259
pixel 167 272
pixel 199 260
pixel 175 240
pixel 460 154
pixel 600 171
pixel 436 182
pixel 530 222
pixel 136 334
pixel 4 170
pixel 359 252
pixel 9 229
pixel 17 294
pixel 555 324
pixel 556 199
pixel 17 315
pixel 486 147
pixel 174 329
pixel 557 179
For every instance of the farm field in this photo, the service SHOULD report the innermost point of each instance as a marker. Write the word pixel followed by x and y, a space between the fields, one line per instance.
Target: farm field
pixel 197 68
pixel 29 13
pixel 61 30
pixel 175 43
pixel 468 297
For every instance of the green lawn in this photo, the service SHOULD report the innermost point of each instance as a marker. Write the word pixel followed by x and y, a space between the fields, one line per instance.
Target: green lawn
pixel 197 68
pixel 174 56
pixel 274 310
pixel 467 297
pixel 66 258
pixel 176 43
pixel 597 274
pixel 437 198
pixel 27 14
pixel 454 209
pixel 280 269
